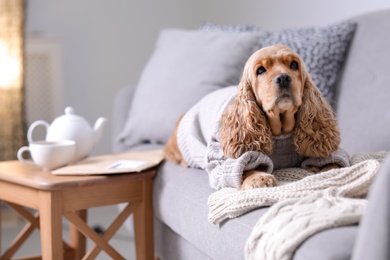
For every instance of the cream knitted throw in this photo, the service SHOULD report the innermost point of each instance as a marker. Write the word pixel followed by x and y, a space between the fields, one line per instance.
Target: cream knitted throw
pixel 303 204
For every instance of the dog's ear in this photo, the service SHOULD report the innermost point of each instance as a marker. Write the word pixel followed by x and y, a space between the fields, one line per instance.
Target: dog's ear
pixel 244 126
pixel 316 131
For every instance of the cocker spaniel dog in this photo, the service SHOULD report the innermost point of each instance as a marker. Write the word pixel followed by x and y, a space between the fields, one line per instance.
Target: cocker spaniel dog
pixel 276 111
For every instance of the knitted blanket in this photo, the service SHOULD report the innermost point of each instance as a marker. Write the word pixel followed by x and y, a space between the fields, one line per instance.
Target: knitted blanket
pixel 303 203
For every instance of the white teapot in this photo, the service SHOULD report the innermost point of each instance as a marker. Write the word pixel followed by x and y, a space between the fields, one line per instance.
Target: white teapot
pixel 72 127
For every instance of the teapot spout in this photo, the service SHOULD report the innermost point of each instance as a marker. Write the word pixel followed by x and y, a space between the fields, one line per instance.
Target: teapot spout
pixel 98 129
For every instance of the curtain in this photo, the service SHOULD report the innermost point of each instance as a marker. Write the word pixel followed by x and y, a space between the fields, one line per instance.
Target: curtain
pixel 12 126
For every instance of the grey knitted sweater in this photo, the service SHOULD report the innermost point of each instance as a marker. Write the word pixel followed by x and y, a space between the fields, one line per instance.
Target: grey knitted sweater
pixel 198 140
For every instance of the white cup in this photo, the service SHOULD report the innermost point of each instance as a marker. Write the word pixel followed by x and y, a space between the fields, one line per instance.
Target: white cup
pixel 48 155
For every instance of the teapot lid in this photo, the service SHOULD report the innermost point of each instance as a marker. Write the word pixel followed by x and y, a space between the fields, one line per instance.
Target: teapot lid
pixel 70 115
pixel 69 111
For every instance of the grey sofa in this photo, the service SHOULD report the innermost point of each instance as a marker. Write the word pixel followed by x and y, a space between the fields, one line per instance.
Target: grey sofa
pixel 182 230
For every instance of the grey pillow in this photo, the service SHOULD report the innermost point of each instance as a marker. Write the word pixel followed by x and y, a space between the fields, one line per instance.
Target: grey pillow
pixel 323 49
pixel 185 66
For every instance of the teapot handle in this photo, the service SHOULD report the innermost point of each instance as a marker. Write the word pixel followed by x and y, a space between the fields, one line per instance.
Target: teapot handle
pixel 32 127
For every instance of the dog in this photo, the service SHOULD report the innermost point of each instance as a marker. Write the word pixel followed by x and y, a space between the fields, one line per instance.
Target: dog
pixel 275 97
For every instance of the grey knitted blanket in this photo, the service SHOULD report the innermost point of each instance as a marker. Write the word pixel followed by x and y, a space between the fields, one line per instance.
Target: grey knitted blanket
pixel 302 204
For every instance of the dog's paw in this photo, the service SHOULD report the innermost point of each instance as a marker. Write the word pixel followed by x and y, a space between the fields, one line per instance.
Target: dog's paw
pixel 314 169
pixel 330 166
pixel 257 179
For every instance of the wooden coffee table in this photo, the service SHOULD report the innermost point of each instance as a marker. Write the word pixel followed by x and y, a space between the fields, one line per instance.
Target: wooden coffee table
pixel 70 196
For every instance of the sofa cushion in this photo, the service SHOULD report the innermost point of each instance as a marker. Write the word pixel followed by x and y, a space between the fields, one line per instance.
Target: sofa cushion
pixel 180 202
pixel 185 66
pixel 323 49
pixel 363 100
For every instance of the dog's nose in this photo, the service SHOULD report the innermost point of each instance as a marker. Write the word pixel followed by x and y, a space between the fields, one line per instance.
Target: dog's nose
pixel 283 80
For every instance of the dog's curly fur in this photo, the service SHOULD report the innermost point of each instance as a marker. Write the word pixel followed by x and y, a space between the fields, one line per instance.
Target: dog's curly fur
pixel 263 107
pixel 316 132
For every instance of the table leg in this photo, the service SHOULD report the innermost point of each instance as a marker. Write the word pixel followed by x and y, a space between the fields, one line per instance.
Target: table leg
pixel 77 239
pixel 143 223
pixel 50 209
pixel 1 212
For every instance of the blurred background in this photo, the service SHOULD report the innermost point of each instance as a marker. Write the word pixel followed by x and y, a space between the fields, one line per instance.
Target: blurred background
pixel 80 53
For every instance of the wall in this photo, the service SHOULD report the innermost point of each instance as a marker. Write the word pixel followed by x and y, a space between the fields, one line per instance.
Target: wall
pixel 106 44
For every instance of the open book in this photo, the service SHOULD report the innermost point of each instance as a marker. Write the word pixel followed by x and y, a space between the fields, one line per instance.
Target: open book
pixel 113 163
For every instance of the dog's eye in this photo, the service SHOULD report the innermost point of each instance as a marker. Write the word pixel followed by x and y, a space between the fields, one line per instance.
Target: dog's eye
pixel 261 70
pixel 294 65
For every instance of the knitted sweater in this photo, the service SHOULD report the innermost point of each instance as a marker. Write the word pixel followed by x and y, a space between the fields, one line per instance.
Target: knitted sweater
pixel 198 140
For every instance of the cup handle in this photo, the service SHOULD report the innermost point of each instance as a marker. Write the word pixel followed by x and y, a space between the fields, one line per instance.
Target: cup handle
pixel 21 151
pixel 32 127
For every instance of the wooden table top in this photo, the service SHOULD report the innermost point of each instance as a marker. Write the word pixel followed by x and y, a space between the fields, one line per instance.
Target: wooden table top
pixel 32 176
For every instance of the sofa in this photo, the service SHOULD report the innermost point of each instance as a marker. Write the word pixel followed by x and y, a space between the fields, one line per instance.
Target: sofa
pixel 360 99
